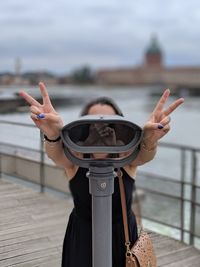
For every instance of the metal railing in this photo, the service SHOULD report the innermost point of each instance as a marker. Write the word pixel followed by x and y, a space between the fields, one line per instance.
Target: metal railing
pixel 183 187
pixel 188 183
pixel 14 148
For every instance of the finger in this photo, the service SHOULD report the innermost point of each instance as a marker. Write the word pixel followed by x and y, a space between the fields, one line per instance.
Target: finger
pixel 162 101
pixel 173 106
pixel 29 99
pixel 37 122
pixel 166 129
pixel 157 126
pixel 165 121
pixel 153 126
pixel 51 118
pixel 34 116
pixel 35 110
pixel 45 95
pixel 40 116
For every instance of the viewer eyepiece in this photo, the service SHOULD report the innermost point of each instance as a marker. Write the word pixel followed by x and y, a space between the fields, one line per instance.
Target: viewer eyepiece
pixel 101 134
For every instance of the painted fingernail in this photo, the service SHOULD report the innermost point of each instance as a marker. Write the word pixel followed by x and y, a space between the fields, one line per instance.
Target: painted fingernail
pixel 41 116
pixel 160 126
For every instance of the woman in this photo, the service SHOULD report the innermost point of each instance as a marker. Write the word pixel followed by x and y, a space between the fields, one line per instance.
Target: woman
pixel 77 245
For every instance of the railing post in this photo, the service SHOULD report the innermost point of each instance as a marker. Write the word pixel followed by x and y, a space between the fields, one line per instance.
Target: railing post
pixel 193 198
pixel 42 172
pixel 182 179
pixel 0 165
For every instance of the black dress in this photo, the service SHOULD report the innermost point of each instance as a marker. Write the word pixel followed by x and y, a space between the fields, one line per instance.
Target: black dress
pixel 77 245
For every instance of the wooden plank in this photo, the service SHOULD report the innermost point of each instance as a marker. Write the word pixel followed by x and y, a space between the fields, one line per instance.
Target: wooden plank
pixel 35 226
pixel 50 261
pixel 11 248
pixel 19 259
pixel 55 233
pixel 186 262
pixel 5 235
pixel 176 256
pixel 167 246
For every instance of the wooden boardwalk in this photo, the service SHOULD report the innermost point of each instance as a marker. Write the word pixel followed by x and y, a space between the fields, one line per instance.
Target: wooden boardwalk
pixel 32 227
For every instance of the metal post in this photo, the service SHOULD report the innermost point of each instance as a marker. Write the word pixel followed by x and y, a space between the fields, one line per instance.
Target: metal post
pixel 101 183
pixel 193 199
pixel 1 169
pixel 42 181
pixel 182 179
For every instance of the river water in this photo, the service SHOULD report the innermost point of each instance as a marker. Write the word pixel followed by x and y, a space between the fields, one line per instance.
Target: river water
pixel 136 105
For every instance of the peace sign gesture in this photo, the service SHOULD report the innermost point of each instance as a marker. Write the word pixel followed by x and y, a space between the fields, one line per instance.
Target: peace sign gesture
pixel 159 122
pixel 44 115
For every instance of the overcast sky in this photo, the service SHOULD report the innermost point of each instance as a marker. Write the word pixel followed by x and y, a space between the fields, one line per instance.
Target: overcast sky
pixel 60 35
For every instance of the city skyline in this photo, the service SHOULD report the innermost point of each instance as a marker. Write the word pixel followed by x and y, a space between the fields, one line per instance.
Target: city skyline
pixel 58 36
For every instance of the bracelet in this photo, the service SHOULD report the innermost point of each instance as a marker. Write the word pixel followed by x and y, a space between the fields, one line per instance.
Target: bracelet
pixel 52 140
pixel 146 149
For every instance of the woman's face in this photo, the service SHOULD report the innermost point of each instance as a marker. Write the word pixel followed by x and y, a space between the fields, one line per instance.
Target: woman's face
pixel 101 109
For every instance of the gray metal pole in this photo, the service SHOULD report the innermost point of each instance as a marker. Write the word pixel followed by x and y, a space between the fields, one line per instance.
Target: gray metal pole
pixel 101 182
pixel 42 174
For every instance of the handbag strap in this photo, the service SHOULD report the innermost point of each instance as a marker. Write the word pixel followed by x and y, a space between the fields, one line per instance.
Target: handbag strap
pixel 124 208
pixel 138 212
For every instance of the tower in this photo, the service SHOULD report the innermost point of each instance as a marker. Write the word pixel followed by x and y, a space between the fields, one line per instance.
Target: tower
pixel 153 55
pixel 18 65
pixel 17 79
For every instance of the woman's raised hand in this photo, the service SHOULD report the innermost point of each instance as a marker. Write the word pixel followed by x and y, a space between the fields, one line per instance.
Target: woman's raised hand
pixel 44 115
pixel 159 122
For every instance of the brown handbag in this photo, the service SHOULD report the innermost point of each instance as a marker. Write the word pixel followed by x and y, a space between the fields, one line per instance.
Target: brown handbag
pixel 142 253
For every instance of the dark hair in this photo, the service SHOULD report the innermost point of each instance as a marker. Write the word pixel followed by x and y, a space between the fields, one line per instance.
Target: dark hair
pixel 102 101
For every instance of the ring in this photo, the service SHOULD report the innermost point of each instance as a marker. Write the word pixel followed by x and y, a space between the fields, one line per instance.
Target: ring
pixel 41 116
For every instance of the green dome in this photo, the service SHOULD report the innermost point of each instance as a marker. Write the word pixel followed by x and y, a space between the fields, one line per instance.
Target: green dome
pixel 154 47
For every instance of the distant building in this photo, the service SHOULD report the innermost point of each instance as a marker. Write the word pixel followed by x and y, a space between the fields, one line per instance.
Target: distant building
pixel 35 77
pixel 153 72
pixel 28 78
pixel 153 55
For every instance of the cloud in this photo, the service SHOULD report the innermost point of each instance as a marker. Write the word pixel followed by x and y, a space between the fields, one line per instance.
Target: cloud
pixel 60 35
